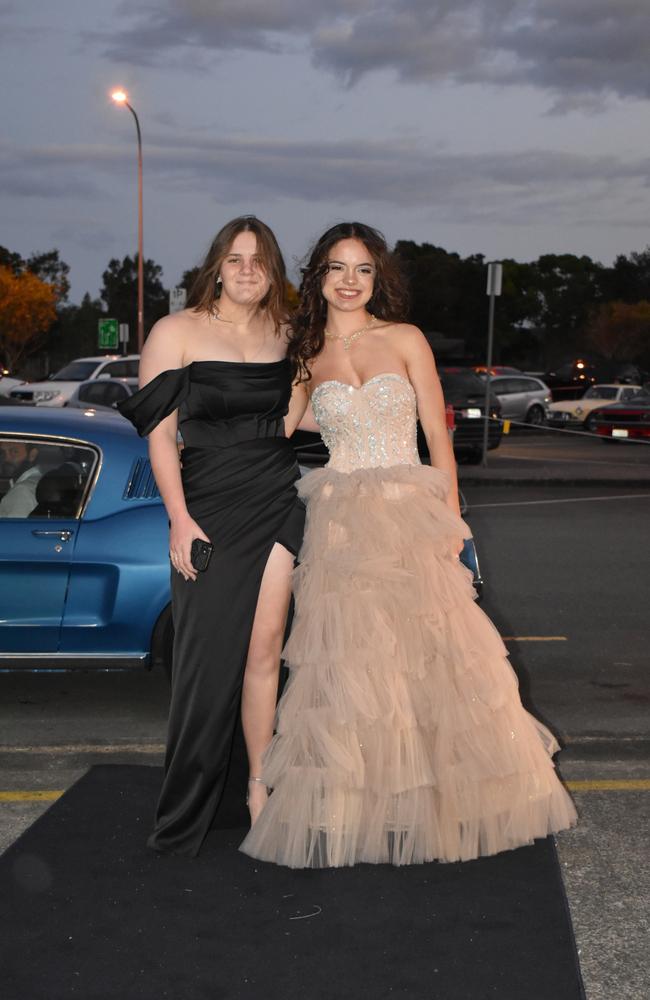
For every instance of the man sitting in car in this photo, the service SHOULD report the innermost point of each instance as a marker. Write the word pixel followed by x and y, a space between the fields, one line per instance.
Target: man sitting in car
pixel 20 466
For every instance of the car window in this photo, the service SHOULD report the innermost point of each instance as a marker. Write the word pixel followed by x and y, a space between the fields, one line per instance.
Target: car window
pixel 503 386
pixel 628 393
pixel 601 392
pixel 525 385
pixel 100 393
pixel 116 369
pixel 40 479
pixel 76 371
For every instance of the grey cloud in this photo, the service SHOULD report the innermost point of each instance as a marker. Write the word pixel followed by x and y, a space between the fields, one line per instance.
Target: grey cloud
pixel 202 24
pixel 45 172
pixel 572 48
pixel 508 187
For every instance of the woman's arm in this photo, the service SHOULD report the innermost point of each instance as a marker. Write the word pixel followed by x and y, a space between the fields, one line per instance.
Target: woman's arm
pixel 421 368
pixel 163 350
pixel 297 407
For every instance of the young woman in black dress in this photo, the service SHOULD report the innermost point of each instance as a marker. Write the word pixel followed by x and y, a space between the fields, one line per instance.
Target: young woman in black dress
pixel 217 372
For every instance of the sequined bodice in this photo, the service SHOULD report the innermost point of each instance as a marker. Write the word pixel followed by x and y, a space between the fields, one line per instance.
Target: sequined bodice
pixel 371 425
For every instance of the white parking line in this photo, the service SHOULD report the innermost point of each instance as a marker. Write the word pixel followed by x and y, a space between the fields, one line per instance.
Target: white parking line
pixel 534 503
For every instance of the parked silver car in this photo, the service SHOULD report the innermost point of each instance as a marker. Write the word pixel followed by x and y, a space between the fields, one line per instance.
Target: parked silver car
pixel 102 393
pixel 522 397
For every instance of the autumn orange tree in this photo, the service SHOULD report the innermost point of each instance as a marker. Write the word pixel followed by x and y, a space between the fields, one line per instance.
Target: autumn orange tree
pixel 27 311
pixel 621 330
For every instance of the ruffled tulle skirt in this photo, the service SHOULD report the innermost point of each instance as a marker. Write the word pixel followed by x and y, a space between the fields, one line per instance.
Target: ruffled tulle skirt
pixel 400 735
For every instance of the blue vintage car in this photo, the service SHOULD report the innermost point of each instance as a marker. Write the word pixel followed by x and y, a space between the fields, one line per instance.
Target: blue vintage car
pixel 84 573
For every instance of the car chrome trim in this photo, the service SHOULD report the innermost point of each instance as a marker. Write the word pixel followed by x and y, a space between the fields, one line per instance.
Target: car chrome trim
pixel 61 534
pixel 73 656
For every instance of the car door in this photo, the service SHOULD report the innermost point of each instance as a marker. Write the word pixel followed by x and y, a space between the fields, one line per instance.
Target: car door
pixel 43 483
pixel 504 388
pixel 521 395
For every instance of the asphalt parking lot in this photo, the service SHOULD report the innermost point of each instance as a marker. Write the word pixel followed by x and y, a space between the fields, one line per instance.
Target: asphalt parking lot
pixel 566 571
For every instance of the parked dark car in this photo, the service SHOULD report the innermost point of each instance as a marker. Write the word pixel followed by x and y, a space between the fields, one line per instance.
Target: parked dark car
pixel 628 420
pixel 465 391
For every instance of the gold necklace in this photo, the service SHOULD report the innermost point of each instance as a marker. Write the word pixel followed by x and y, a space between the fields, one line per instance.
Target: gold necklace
pixel 349 339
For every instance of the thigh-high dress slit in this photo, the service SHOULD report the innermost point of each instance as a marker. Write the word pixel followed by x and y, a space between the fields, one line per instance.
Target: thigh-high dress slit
pixel 239 473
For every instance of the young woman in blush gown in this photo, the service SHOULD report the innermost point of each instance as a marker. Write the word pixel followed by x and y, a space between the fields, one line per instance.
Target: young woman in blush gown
pixel 218 371
pixel 400 736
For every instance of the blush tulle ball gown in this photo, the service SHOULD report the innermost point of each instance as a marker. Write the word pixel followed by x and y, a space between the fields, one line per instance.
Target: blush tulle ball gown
pixel 400 735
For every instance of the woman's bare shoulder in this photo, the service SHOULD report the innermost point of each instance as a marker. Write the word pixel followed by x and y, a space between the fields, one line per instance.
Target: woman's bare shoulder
pixel 406 336
pixel 168 340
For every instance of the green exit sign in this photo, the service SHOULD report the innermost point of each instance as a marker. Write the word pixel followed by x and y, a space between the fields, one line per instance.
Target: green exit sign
pixel 107 334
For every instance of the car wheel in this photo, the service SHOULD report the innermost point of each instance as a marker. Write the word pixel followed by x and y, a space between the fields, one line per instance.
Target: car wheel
pixel 535 416
pixel 589 423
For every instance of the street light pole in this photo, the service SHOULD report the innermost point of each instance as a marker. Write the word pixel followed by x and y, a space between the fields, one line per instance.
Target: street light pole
pixel 120 97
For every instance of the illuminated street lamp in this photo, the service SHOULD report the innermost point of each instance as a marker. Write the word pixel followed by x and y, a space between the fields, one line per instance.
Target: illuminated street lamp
pixel 121 97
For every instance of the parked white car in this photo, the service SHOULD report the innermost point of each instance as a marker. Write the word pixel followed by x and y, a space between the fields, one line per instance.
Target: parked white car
pixel 7 383
pixel 59 388
pixel 579 410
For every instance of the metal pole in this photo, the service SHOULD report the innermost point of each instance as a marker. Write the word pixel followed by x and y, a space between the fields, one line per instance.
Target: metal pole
pixel 140 256
pixel 486 413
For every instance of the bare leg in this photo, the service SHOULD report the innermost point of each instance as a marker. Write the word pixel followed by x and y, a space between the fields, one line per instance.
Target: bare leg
pixel 260 688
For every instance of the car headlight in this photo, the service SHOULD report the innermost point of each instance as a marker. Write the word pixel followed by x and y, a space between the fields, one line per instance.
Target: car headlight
pixel 45 395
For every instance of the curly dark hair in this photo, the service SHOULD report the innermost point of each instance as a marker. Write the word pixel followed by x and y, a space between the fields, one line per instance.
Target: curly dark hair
pixel 389 300
pixel 203 294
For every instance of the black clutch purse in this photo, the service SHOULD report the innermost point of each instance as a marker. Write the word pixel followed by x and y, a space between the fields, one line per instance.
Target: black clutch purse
pixel 200 553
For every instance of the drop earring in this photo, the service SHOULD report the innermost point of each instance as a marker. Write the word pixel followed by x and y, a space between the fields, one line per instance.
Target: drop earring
pixel 217 287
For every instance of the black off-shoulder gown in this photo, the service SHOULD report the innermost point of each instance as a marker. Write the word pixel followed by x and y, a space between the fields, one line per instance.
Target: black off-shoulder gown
pixel 238 473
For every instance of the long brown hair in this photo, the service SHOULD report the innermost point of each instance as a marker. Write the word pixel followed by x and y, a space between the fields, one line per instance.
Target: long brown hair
pixel 203 293
pixel 389 300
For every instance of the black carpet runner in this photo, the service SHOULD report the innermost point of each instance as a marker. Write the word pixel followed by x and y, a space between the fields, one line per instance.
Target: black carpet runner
pixel 88 913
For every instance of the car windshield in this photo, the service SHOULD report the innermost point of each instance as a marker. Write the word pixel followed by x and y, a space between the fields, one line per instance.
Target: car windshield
pixel 76 371
pixel 461 384
pixel 601 392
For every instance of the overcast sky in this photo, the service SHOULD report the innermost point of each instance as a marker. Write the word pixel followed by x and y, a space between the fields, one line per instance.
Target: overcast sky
pixel 503 127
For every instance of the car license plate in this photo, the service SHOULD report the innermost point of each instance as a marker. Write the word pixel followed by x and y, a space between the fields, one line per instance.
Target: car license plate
pixel 619 432
pixel 473 412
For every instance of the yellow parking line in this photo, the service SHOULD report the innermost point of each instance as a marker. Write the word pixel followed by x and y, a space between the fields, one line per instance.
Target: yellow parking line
pixel 534 638
pixel 597 785
pixel 30 796
pixel 611 785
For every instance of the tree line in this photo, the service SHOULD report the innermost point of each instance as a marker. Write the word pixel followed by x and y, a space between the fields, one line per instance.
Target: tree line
pixel 550 309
